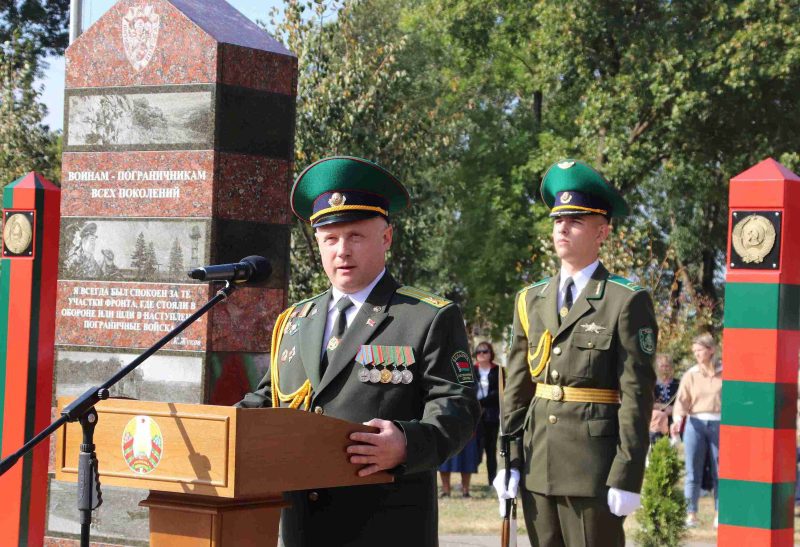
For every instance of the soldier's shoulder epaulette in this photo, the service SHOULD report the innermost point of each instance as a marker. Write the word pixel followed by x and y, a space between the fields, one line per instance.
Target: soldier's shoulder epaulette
pixel 304 306
pixel 623 282
pixel 424 296
pixel 534 285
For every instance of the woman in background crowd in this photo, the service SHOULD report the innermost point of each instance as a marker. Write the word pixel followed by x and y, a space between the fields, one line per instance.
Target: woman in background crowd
pixel 665 391
pixel 487 373
pixel 698 403
pixel 466 462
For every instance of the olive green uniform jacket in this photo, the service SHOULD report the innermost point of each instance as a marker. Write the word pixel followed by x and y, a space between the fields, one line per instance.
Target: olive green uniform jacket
pixel 438 412
pixel 606 341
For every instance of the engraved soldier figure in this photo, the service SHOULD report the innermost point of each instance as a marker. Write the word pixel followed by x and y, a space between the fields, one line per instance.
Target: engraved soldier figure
pixel 108 269
pixel 80 261
pixel 369 350
pixel 580 377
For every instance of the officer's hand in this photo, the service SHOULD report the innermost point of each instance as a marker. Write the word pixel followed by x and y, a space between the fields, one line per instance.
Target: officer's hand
pixel 622 502
pixel 379 451
pixel 504 493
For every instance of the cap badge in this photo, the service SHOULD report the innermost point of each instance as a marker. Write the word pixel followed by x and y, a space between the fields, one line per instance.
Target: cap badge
pixel 337 199
pixel 565 164
pixel 566 197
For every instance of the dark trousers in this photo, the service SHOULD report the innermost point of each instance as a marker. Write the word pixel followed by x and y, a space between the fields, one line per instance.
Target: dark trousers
pixel 488 442
pixel 571 521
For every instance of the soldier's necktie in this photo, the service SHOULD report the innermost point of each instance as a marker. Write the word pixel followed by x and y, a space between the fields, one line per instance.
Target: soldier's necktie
pixel 567 304
pixel 339 327
pixel 342 306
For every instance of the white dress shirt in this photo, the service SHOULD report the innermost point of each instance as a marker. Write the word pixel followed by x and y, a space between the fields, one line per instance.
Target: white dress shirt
pixel 358 299
pixel 580 280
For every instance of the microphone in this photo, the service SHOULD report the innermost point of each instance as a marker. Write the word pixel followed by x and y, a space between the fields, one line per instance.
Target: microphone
pixel 251 269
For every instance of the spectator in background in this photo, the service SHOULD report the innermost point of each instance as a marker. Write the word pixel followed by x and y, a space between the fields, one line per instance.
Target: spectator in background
pixel 487 372
pixel 465 462
pixel 698 403
pixel 665 391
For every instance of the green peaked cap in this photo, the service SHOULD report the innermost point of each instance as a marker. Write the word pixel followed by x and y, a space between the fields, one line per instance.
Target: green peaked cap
pixel 580 190
pixel 345 188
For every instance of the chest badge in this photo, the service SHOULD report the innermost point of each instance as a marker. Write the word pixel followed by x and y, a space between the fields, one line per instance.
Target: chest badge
pixel 592 327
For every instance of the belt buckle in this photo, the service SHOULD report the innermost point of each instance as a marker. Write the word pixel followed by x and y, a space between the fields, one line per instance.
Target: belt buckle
pixel 557 393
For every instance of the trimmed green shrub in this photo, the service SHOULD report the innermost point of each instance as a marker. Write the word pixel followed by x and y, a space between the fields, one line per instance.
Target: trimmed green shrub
pixel 663 513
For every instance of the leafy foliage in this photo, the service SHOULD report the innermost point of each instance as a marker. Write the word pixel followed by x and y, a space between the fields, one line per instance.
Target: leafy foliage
pixel 366 88
pixel 25 144
pixel 44 23
pixel 661 517
pixel 469 103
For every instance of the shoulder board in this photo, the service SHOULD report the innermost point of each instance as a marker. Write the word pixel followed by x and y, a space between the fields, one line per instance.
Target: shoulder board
pixel 537 284
pixel 424 296
pixel 302 308
pixel 622 282
pixel 309 299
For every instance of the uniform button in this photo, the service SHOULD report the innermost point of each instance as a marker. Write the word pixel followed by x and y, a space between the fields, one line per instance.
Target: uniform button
pixel 554 375
pixel 552 419
pixel 590 344
pixel 557 350
pixel 313 496
pixel 319 410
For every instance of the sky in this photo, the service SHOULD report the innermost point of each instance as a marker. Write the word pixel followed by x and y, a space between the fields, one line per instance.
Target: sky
pixel 53 78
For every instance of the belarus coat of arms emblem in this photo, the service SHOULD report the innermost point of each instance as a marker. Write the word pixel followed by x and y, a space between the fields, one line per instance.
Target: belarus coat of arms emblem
pixel 139 35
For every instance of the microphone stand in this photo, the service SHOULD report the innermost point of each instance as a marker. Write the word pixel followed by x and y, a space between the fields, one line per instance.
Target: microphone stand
pixel 82 410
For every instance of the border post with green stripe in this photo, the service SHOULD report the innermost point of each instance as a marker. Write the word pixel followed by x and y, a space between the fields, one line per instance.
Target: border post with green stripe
pixel 761 340
pixel 28 274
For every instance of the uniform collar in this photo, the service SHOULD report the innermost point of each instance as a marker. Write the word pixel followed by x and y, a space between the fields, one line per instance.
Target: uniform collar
pixel 358 297
pixel 581 278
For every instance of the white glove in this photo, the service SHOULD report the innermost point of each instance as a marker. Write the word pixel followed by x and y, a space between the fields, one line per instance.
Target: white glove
pixel 622 502
pixel 504 493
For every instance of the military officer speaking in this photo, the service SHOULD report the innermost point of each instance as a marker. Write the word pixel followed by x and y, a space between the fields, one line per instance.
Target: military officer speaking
pixel 580 377
pixel 369 350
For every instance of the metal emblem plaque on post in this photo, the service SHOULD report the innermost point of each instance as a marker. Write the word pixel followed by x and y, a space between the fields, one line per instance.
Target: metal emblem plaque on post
pixel 18 236
pixel 755 240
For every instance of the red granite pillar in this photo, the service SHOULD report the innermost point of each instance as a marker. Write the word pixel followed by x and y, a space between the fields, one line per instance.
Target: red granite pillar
pixel 178 147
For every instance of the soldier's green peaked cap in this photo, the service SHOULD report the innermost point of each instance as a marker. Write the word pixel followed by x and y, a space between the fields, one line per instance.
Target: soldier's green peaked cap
pixel 344 189
pixel 571 187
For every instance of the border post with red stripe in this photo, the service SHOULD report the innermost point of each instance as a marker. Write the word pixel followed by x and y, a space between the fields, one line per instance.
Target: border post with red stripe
pixel 761 340
pixel 28 274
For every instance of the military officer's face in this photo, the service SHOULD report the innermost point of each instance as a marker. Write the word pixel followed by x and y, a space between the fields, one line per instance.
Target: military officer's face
pixel 577 238
pixel 354 253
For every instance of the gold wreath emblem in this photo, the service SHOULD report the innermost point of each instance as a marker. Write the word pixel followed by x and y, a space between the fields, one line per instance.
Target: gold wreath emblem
pixel 566 197
pixel 17 233
pixel 337 199
pixel 753 238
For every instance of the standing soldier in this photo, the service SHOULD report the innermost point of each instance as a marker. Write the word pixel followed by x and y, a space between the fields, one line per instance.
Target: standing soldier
pixel 368 350
pixel 580 377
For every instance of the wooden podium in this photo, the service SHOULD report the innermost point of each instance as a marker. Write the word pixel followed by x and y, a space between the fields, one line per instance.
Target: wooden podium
pixel 215 473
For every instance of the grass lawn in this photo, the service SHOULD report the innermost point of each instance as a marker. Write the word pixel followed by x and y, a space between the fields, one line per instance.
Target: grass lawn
pixel 478 514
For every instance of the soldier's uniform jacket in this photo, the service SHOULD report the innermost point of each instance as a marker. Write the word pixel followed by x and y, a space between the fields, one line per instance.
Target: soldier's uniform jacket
pixel 437 410
pixel 607 341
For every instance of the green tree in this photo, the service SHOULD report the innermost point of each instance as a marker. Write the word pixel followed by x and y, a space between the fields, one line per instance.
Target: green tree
pixel 25 144
pixel 44 23
pixel 668 99
pixel 661 517
pixel 368 88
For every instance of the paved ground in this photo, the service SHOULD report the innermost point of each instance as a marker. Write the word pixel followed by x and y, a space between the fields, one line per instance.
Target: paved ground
pixel 494 541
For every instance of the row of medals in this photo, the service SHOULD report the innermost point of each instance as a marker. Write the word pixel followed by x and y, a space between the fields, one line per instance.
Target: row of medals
pixel 385 376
